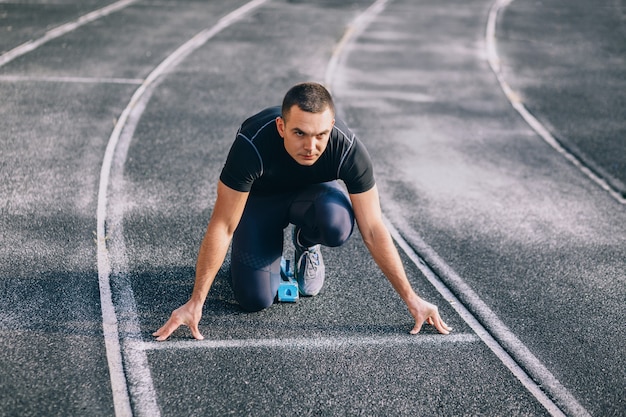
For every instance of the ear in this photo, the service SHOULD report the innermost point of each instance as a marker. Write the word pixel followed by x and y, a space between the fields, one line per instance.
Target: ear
pixel 280 125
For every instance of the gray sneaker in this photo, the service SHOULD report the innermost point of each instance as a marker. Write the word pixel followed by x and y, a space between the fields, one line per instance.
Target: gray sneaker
pixel 309 269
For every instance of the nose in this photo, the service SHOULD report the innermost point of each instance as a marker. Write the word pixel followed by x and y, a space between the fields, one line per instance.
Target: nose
pixel 309 144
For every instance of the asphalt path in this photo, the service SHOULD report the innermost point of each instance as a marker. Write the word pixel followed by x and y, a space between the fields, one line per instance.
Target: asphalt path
pixel 113 134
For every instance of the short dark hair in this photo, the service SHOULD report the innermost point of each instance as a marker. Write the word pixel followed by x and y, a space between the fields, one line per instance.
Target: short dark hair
pixel 310 97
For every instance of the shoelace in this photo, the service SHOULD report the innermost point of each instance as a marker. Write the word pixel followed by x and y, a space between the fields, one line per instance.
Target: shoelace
pixel 314 261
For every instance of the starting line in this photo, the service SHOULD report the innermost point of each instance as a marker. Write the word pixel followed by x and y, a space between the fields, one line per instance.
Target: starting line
pixel 340 342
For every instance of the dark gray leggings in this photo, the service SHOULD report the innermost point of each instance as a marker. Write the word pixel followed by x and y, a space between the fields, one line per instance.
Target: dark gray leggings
pixel 322 212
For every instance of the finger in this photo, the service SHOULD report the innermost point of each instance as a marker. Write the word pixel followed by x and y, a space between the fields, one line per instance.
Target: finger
pixel 164 332
pixel 158 332
pixel 441 326
pixel 164 328
pixel 417 328
pixel 195 332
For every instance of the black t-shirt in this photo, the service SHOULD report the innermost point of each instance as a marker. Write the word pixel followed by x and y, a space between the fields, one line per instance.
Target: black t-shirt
pixel 258 162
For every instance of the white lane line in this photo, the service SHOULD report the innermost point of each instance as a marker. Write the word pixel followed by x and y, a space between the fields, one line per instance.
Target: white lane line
pixel 62 30
pixel 60 79
pixel 516 102
pixel 501 340
pixel 338 342
pixel 353 31
pixel 121 400
pixel 142 387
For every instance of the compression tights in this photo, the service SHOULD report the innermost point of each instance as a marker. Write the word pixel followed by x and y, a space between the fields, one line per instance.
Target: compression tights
pixel 322 213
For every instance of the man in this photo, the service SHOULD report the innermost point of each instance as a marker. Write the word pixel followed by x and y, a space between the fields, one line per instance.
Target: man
pixel 282 169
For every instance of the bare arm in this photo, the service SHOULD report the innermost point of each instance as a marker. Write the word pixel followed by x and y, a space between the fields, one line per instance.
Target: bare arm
pixel 379 243
pixel 227 212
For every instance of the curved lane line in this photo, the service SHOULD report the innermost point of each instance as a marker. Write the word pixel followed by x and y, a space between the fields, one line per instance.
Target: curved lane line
pixel 61 79
pixel 344 46
pixel 516 102
pixel 136 363
pixel 526 367
pixel 502 342
pixel 62 30
pixel 493 344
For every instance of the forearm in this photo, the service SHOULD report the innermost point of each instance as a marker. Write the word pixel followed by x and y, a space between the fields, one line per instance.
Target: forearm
pixel 385 254
pixel 378 240
pixel 210 258
pixel 227 212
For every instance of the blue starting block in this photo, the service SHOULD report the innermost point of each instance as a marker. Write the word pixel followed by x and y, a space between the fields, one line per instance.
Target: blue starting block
pixel 288 287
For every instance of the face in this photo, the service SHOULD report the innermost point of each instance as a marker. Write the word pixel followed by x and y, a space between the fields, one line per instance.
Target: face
pixel 305 134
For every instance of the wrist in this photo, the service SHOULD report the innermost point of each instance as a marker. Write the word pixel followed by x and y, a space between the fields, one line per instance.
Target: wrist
pixel 413 302
pixel 411 298
pixel 196 301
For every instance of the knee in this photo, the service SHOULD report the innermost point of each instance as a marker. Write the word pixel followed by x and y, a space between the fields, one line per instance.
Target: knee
pixel 338 230
pixel 336 236
pixel 254 289
pixel 254 302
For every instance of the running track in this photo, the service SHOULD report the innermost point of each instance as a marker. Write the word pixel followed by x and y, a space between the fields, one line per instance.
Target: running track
pixel 49 200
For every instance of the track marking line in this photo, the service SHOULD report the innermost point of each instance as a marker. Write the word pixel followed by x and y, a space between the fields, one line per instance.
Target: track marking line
pixel 335 342
pixel 526 367
pixel 499 339
pixel 516 102
pixel 136 369
pixel 353 31
pixel 60 79
pixel 62 30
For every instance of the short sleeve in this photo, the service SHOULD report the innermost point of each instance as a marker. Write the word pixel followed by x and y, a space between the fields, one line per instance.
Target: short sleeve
pixel 356 170
pixel 243 165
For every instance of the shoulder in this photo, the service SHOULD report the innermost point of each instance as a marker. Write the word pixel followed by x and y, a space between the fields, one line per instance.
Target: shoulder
pixel 347 142
pixel 263 121
pixel 355 165
pixel 342 132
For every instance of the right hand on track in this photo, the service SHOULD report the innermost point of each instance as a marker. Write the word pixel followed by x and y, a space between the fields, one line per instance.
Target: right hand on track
pixel 189 314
